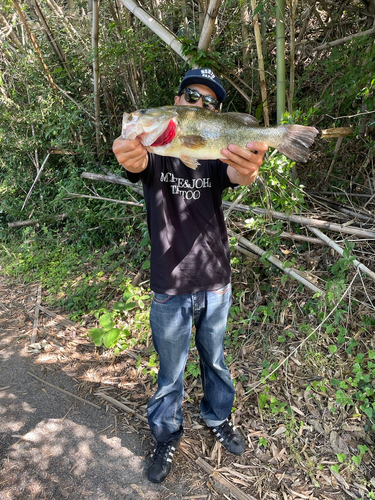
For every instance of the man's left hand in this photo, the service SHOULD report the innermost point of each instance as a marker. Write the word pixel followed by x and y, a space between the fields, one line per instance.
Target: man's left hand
pixel 243 163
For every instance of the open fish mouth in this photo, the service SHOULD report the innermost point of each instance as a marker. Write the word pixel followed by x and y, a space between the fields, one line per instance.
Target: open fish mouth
pixel 151 133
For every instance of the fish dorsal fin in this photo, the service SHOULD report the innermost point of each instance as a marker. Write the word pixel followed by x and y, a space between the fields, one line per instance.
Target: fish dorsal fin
pixel 245 119
pixel 189 162
pixel 193 141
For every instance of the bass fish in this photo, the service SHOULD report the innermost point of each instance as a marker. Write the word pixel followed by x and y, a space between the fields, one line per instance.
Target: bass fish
pixel 193 133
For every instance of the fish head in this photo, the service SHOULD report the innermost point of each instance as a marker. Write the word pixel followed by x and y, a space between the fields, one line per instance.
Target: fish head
pixel 153 127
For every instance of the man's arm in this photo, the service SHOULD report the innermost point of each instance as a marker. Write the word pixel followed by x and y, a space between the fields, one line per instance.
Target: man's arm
pixel 243 163
pixel 132 155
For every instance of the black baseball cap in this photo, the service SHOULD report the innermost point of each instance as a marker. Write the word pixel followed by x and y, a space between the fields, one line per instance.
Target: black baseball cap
pixel 203 76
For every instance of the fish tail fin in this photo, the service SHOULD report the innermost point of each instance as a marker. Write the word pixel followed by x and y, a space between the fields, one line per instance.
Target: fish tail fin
pixel 297 140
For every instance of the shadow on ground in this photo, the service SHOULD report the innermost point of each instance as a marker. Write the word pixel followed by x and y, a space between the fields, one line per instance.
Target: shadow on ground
pixel 53 446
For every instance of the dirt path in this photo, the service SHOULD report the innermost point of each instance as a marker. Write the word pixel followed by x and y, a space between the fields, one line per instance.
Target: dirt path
pixel 52 445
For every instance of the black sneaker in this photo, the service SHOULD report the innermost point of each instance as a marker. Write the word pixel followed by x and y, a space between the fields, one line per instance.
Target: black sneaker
pixel 162 461
pixel 229 437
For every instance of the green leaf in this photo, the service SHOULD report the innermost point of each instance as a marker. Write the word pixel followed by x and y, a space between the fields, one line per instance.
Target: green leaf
pixel 146 264
pixel 111 337
pixel 106 321
pixel 96 335
pixel 357 460
pixel 362 449
pixel 332 349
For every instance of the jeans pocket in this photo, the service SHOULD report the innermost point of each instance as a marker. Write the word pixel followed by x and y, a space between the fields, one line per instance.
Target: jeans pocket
pixel 161 298
pixel 222 290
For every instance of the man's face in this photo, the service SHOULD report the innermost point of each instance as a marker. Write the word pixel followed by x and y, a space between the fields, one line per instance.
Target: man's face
pixel 203 90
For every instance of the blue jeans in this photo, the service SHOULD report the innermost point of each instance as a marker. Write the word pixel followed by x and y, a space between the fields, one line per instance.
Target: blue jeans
pixel 171 318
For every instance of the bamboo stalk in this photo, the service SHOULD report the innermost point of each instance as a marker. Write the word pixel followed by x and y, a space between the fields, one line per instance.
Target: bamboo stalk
pixel 292 53
pixel 208 25
pixel 339 250
pixel 262 74
pixel 280 59
pixel 51 38
pixel 36 47
pixel 341 41
pixel 96 75
pixel 156 27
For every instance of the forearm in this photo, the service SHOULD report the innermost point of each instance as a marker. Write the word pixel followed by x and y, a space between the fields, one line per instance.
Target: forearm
pixel 243 180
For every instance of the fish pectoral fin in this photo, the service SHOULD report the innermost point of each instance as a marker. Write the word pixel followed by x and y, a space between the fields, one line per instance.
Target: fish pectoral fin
pixel 193 141
pixel 245 119
pixel 189 162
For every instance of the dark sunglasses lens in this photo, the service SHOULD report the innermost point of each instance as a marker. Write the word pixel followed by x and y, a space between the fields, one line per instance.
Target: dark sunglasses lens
pixel 191 95
pixel 210 102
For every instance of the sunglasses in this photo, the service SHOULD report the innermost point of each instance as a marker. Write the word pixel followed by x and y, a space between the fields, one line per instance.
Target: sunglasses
pixel 192 96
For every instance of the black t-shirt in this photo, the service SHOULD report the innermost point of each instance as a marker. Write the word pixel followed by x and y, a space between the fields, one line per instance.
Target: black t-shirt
pixel 189 242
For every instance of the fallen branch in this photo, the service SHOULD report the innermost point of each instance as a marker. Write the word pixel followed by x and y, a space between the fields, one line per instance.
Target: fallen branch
pixel 34 222
pixel 340 193
pixel 306 221
pixel 339 250
pixel 35 181
pixel 293 273
pixel 121 405
pixel 329 133
pixel 57 317
pixel 287 236
pixel 100 198
pixel 113 179
pixel 65 392
pixel 4 308
pixel 36 315
pixel 224 485
pixel 366 217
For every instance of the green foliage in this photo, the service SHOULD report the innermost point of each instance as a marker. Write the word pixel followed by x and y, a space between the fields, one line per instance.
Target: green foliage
pixel 117 327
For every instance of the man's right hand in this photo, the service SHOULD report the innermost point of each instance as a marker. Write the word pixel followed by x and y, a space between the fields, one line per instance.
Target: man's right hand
pixel 132 155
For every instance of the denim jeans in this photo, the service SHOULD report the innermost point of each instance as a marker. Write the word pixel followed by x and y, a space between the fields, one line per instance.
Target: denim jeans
pixel 171 318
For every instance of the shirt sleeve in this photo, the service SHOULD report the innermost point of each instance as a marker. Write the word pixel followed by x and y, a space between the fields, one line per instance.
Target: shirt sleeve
pixel 133 177
pixel 224 180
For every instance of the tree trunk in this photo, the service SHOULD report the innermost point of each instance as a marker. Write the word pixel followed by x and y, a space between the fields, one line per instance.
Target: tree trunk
pixel 202 8
pixel 208 26
pixel 280 59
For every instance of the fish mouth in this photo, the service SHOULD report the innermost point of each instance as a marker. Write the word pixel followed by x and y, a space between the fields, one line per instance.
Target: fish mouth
pixel 167 136
pixel 150 134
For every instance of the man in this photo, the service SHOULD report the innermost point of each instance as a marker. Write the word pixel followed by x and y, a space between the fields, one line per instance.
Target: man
pixel 190 272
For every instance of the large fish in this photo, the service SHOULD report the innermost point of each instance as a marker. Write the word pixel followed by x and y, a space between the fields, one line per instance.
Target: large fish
pixel 192 133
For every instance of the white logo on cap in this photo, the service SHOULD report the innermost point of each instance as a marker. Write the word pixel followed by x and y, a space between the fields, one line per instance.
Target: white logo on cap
pixel 207 73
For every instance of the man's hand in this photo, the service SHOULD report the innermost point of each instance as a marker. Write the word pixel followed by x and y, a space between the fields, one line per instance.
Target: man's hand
pixel 132 155
pixel 244 163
